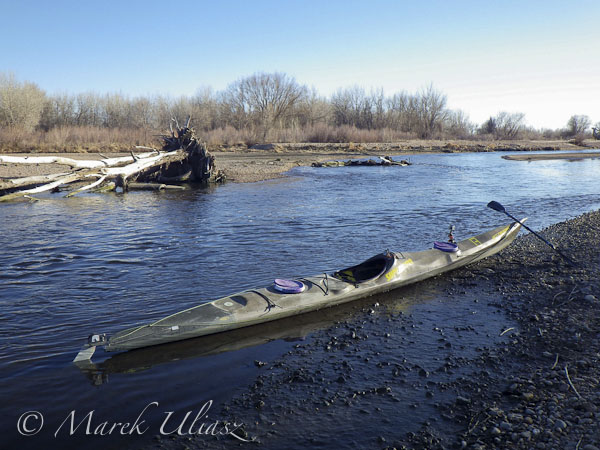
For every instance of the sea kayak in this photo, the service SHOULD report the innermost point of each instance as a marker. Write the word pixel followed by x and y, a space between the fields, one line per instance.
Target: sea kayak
pixel 383 272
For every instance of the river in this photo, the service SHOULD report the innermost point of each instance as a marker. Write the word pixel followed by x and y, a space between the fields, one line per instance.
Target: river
pixel 104 262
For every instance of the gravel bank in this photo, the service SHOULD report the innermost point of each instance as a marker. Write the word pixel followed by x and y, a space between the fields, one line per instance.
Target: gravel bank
pixel 546 394
pixel 521 372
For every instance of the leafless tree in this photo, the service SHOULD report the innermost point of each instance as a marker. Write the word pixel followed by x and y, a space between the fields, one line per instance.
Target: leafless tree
pixel 21 104
pixel 347 105
pixel 88 110
pixel 458 125
pixel 58 111
pixel 402 112
pixel 431 111
pixel 577 125
pixel 204 110
pixel 378 109
pixel 267 99
pixel 504 125
pixel 313 109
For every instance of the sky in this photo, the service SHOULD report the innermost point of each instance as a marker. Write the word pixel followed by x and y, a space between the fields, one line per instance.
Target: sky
pixel 541 58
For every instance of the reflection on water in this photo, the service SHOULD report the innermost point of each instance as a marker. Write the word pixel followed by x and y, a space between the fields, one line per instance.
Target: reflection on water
pixel 101 263
pixel 289 329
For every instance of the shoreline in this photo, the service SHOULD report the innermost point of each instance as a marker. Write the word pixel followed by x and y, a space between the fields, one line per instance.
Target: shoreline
pixel 264 162
pixel 533 384
pixel 550 156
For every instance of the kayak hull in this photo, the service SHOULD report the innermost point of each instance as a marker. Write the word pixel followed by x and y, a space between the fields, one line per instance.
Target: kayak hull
pixel 381 273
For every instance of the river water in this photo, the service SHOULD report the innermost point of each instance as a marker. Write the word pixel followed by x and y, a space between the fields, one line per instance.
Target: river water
pixel 104 262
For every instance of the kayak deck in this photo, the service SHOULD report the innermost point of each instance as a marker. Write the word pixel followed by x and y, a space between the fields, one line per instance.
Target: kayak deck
pixel 381 273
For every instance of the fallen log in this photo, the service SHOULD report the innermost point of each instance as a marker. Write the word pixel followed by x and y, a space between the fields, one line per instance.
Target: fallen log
pixel 154 187
pixel 183 158
pixel 73 163
pixel 29 181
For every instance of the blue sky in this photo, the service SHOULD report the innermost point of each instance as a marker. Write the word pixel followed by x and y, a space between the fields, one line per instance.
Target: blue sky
pixel 537 57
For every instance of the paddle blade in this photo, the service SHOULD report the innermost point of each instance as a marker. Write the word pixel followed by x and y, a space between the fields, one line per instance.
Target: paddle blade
pixel 496 206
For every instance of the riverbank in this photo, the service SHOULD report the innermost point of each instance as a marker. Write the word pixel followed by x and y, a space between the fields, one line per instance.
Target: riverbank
pixel 522 375
pixel 550 156
pixel 262 162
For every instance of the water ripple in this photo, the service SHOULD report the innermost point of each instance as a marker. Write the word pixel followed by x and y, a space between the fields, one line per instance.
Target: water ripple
pixel 104 262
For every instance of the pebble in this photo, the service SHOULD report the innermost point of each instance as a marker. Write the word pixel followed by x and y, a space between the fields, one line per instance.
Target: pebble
pixel 527 396
pixel 589 298
pixel 560 425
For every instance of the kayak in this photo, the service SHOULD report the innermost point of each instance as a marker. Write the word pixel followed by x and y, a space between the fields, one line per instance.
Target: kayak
pixel 383 272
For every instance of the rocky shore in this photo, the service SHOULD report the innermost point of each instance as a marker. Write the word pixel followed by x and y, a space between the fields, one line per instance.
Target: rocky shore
pixel 501 354
pixel 546 394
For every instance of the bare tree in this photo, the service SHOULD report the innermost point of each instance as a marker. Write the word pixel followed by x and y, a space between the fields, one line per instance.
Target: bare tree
pixel 268 99
pixel 204 109
pixel 578 125
pixel 458 124
pixel 402 112
pixel 378 108
pixel 431 111
pixel 313 109
pixel 88 110
pixel 348 105
pixel 21 104
pixel 506 125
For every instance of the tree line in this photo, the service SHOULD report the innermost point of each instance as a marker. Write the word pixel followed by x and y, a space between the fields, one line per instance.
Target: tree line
pixel 265 107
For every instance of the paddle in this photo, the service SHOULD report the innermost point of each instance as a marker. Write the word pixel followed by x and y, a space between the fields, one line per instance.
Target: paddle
pixel 498 207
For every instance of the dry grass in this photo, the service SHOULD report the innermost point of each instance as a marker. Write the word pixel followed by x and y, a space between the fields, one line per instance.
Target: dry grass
pixel 88 139
pixel 75 139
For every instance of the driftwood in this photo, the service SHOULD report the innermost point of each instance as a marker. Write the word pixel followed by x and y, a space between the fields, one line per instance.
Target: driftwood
pixel 383 161
pixel 182 159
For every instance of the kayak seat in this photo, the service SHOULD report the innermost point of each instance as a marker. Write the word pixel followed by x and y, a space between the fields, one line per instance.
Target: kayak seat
pixel 368 270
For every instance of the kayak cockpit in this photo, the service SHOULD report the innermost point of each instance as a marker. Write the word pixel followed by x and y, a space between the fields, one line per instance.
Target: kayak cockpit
pixel 369 270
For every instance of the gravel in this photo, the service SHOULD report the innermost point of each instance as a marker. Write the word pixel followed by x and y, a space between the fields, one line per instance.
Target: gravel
pixel 534 387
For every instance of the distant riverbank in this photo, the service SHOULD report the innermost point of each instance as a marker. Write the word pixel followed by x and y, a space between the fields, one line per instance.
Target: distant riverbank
pixel 268 161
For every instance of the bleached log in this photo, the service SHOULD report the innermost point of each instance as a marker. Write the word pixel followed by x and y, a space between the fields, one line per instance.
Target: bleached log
pixel 107 172
pixel 98 182
pixel 29 181
pixel 183 158
pixel 74 163
pixel 43 188
pixel 130 169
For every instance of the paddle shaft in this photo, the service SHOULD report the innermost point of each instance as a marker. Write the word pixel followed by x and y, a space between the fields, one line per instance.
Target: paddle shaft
pixel 565 257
